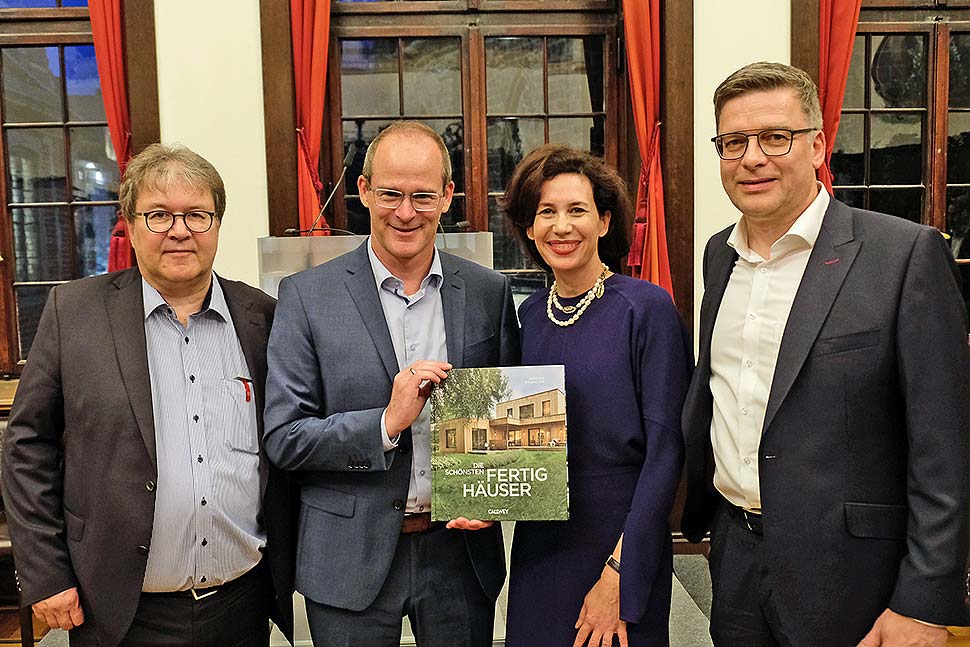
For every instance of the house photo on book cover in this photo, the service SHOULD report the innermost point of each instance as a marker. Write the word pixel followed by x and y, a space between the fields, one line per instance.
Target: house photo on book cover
pixel 499 446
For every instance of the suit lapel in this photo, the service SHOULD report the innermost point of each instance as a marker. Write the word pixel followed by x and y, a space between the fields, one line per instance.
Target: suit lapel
pixel 126 317
pixel 363 290
pixel 250 329
pixel 829 263
pixel 453 306
pixel 718 272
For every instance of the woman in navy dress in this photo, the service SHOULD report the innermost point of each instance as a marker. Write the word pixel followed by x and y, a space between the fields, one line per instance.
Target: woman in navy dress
pixel 603 577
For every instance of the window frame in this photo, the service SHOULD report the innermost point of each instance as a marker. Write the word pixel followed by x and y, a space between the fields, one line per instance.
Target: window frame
pixel 60 27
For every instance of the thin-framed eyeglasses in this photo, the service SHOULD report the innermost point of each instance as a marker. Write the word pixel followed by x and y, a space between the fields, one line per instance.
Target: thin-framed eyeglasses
pixel 392 199
pixel 774 142
pixel 159 221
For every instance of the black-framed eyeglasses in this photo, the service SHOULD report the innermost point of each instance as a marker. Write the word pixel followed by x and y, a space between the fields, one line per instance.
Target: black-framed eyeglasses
pixel 159 221
pixel 392 199
pixel 774 142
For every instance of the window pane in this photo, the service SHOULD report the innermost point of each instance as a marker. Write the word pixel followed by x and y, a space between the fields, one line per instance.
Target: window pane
pixel 525 283
pixel 74 3
pixel 958 220
pixel 852 197
pixel 30 304
pixel 93 174
pixel 958 148
pixel 848 156
pixel 84 102
pixel 576 74
pixel 509 140
pixel 35 157
pixel 896 149
pixel 905 203
pixel 507 254
pixel 92 235
pixel 513 75
pixel 584 133
pixel 358 219
pixel 855 86
pixel 31 84
pixel 454 215
pixel 359 134
pixel 42 244
pixel 369 77
pixel 898 77
pixel 960 71
pixel 25 4
pixel 432 76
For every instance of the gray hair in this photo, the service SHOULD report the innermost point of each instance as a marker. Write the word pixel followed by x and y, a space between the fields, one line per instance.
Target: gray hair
pixel 159 166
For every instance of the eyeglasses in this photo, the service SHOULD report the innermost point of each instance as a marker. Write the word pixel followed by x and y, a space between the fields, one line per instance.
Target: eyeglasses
pixel 160 221
pixel 391 199
pixel 774 142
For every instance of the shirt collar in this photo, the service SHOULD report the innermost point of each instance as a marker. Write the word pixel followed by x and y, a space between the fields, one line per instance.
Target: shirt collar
pixel 804 231
pixel 215 299
pixel 382 274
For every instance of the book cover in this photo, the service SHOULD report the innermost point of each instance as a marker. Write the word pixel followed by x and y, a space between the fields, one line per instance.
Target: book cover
pixel 498 444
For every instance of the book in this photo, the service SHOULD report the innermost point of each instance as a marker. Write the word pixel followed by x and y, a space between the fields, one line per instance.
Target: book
pixel 498 444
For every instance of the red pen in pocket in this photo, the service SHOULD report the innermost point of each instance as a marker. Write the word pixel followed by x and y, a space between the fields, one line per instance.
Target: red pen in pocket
pixel 246 382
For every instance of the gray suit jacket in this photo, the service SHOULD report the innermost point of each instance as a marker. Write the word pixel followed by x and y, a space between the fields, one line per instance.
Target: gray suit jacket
pixel 863 456
pixel 79 452
pixel 331 369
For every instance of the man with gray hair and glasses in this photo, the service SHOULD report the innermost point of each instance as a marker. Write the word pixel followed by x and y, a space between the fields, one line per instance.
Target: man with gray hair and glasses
pixel 142 509
pixel 827 425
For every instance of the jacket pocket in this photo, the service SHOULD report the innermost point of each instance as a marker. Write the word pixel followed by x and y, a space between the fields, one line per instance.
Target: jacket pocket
pixel 876 520
pixel 75 525
pixel 845 343
pixel 327 500
pixel 479 347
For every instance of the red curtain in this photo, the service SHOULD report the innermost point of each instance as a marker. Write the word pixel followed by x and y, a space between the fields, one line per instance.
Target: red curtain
pixel 106 28
pixel 310 30
pixel 648 253
pixel 838 20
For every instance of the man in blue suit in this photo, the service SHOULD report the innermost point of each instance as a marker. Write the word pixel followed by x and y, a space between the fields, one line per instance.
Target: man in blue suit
pixel 356 345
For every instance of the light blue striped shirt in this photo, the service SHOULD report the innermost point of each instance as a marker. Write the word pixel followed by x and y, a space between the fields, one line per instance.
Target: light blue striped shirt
pixel 417 326
pixel 207 493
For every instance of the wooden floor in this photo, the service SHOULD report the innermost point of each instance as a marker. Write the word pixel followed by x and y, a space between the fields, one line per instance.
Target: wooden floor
pixel 10 628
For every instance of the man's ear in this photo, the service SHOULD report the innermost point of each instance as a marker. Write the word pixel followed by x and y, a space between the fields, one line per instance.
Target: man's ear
pixel 362 190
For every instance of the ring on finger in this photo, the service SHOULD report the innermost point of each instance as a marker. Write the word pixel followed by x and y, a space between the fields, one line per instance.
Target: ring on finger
pixel 411 368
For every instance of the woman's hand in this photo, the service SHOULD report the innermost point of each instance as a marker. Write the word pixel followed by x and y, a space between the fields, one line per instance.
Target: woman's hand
pixel 599 619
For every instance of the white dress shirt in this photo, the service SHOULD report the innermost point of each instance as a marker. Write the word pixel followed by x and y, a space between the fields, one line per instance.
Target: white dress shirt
pixel 744 348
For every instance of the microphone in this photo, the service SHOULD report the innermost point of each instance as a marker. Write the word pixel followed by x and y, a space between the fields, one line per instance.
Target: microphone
pixel 293 231
pixel 348 160
pixel 460 225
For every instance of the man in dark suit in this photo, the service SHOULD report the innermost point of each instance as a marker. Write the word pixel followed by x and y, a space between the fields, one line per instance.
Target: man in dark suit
pixel 827 422
pixel 142 509
pixel 356 344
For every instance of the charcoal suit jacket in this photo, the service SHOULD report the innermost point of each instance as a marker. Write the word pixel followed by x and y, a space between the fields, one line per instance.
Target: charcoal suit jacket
pixel 863 461
pixel 79 462
pixel 332 363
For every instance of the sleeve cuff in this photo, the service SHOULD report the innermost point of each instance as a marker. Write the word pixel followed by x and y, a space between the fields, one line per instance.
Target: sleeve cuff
pixel 389 444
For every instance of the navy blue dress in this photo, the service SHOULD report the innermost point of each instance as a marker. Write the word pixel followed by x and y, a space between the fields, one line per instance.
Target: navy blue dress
pixel 628 361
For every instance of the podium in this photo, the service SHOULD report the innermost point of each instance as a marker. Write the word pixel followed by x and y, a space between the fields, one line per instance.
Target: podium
pixel 281 256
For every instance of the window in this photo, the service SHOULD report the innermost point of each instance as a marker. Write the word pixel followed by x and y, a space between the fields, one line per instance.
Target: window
pixel 515 438
pixel 546 408
pixel 494 85
pixel 903 145
pixel 60 177
pixel 479 438
pixel 450 439
pixel 536 438
pixel 526 411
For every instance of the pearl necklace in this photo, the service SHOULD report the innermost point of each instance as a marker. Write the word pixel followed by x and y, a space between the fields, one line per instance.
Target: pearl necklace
pixel 594 292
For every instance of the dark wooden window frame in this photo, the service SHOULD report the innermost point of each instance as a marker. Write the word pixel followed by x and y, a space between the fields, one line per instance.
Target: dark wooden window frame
pixel 676 132
pixel 934 17
pixel 71 26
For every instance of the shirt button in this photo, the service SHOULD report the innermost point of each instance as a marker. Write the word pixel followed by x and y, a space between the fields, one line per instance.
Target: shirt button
pixel 192 379
pixel 764 270
pixel 195 418
pixel 420 508
pixel 199 458
pixel 150 486
pixel 186 340
pixel 202 579
pixel 205 542
pixel 421 472
pixel 744 411
pixel 204 501
pixel 143 550
pixel 752 316
pixel 747 461
pixel 749 363
pixel 413 346
pixel 398 504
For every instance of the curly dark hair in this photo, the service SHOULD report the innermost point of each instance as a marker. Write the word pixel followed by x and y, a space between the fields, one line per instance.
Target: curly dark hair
pixel 609 193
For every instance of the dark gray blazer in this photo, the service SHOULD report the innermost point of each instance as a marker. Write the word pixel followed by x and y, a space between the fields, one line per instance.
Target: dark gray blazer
pixel 863 464
pixel 331 368
pixel 80 449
